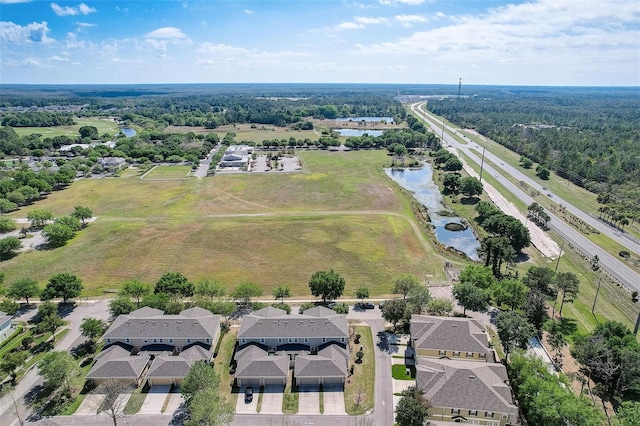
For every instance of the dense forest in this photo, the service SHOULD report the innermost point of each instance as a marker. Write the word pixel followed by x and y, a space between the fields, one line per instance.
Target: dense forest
pixel 589 136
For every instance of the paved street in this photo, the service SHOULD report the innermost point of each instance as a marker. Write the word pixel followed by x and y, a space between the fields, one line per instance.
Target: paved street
pixel 609 263
pixel 95 309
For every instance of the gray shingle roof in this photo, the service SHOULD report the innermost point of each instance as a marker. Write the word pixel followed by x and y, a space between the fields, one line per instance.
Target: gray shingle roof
pixel 115 362
pixel 330 362
pixel 465 385
pixel 329 324
pixel 452 334
pixel 151 323
pixel 255 362
pixel 169 366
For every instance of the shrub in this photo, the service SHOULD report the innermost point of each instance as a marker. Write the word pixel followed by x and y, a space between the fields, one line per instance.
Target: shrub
pixel 282 306
pixel 9 306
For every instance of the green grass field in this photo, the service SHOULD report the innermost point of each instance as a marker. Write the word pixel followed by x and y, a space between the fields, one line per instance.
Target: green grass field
pixel 103 126
pixel 168 173
pixel 271 229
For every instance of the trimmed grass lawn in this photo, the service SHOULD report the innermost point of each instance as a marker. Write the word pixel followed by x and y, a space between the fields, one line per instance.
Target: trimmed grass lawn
pixel 360 386
pixel 103 126
pixel 222 361
pixel 344 214
pixel 399 372
pixel 168 172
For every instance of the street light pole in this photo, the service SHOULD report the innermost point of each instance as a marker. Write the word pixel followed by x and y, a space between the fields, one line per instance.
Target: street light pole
pixel 596 298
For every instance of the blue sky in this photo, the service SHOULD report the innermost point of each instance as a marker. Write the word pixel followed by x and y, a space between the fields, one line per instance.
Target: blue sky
pixel 536 42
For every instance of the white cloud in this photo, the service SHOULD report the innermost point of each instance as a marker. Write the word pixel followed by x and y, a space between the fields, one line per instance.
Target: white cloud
pixel 29 62
pixel 407 2
pixel 35 32
pixel 409 20
pixel 85 24
pixel 248 11
pixel 14 1
pixel 82 9
pixel 216 54
pixel 127 61
pixel 358 22
pixel 167 33
pixel 56 58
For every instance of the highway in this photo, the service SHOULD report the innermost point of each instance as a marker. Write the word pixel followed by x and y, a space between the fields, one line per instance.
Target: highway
pixel 610 264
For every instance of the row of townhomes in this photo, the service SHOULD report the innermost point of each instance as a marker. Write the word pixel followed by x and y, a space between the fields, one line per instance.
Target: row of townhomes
pixel 457 370
pixel 313 344
pixel 147 345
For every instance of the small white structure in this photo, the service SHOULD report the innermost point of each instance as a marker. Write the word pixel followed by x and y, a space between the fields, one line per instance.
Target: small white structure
pixel 6 326
pixel 236 156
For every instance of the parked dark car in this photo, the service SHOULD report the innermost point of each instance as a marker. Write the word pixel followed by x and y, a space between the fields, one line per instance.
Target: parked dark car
pixel 248 395
pixel 365 305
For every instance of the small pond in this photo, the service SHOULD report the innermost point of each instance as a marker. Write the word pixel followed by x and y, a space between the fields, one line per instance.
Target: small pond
pixel 128 131
pixel 369 119
pixel 420 182
pixel 357 132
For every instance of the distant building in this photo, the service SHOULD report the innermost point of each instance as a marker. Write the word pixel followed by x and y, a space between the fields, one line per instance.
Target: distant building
pixel 314 345
pixel 107 162
pixel 236 156
pixel 6 326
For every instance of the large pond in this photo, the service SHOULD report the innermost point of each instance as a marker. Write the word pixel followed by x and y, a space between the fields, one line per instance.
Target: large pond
pixel 387 119
pixel 420 182
pixel 357 132
pixel 128 131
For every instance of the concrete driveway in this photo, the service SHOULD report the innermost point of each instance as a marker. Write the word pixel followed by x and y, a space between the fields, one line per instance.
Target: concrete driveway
pixel 309 400
pixel 333 396
pixel 272 398
pixel 155 399
pixel 90 405
pixel 174 403
pixel 251 407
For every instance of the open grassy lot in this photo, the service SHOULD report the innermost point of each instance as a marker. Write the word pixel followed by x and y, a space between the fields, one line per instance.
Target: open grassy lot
pixel 103 126
pixel 274 230
pixel 168 172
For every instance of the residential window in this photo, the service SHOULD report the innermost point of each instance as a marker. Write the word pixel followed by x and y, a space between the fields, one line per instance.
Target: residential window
pixel 170 340
pixel 456 353
pixel 493 423
pixel 488 414
pixel 262 340
pixel 290 339
pixel 483 355
pixel 208 340
pixel 146 340
pixel 442 352
pixel 188 340
pixel 469 354
pixel 127 340
pixel 295 340
pixel 455 411
pixel 324 339
pixel 342 340
pixel 473 412
pixel 279 340
pixel 109 340
pixel 505 416
pixel 306 340
pixel 161 340
pixel 243 340
pixel 155 340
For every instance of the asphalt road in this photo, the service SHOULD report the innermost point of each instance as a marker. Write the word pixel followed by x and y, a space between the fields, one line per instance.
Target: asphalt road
pixel 95 309
pixel 610 264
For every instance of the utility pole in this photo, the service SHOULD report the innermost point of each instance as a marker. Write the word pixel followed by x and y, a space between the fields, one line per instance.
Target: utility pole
pixel 558 262
pixel 593 308
pixel 459 87
pixel 481 164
